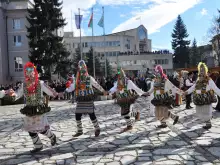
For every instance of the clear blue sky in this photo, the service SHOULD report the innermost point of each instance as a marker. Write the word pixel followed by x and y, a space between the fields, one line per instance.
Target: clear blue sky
pixel 158 16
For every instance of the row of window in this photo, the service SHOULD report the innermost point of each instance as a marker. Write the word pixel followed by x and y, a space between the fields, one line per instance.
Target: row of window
pixel 143 62
pixel 96 44
pixel 101 44
pixel 162 61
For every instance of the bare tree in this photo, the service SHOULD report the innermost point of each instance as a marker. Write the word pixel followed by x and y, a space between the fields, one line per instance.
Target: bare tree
pixel 214 33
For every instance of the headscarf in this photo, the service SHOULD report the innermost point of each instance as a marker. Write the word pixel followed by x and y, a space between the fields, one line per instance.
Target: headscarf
pixel 29 68
pixel 159 72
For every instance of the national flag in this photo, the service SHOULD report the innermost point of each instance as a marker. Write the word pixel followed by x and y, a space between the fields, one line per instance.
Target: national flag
pixel 101 21
pixel 91 21
pixel 78 20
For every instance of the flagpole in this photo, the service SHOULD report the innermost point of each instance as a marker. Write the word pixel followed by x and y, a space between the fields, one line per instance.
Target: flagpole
pixel 71 21
pixel 104 42
pixel 80 34
pixel 93 52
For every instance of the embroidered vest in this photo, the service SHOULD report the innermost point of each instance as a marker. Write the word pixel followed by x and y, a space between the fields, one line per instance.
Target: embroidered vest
pixel 162 98
pixel 125 97
pixel 201 96
pixel 33 99
pixel 34 103
pixel 85 91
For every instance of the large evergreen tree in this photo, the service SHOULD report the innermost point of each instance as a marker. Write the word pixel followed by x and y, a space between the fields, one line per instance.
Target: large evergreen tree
pixel 180 44
pixel 46 46
pixel 194 54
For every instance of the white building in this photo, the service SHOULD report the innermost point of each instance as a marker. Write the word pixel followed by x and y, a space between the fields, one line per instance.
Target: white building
pixel 130 49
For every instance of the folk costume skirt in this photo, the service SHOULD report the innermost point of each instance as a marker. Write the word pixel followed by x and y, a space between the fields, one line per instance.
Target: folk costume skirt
pixel 204 112
pixel 36 124
pixel 161 113
pixel 85 107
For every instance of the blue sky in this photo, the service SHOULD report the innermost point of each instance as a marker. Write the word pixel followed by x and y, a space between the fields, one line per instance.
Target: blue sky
pixel 158 16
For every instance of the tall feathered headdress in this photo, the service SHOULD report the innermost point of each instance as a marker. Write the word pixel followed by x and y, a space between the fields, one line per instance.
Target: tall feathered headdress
pixel 159 70
pixel 201 64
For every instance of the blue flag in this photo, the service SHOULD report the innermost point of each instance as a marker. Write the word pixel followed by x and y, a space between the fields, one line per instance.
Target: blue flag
pixel 101 21
pixel 78 20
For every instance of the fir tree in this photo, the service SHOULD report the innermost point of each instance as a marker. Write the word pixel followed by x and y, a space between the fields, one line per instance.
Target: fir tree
pixel 46 46
pixel 194 54
pixel 179 44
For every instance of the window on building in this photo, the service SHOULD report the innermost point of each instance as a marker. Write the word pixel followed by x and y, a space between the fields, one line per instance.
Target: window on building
pixel 118 43
pixel 73 45
pixel 86 44
pixel 166 61
pixel 18 64
pixel 110 43
pixel 16 24
pixel 17 40
pixel 113 53
pixel 110 53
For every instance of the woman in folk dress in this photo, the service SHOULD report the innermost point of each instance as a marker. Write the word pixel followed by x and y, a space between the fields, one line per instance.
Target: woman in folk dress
pixel 35 120
pixel 84 97
pixel 203 95
pixel 163 98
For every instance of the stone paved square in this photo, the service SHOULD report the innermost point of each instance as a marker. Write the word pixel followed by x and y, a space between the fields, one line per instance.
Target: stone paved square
pixel 184 143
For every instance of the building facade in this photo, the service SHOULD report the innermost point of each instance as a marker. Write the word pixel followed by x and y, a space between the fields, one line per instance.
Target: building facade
pixel 130 49
pixel 14 48
pixel 13 41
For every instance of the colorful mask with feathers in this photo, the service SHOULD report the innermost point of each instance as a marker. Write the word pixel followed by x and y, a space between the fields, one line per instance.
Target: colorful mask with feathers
pixel 159 73
pixel 122 83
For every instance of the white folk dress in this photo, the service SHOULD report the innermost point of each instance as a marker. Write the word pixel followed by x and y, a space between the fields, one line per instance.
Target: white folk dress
pixel 162 112
pixel 130 86
pixel 204 112
pixel 38 123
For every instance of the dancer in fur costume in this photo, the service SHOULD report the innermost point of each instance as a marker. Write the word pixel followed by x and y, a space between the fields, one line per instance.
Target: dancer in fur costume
pixel 35 120
pixel 85 97
pixel 203 95
pixel 126 98
pixel 163 98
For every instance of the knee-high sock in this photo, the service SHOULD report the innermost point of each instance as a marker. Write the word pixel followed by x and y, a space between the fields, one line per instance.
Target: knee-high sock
pixel 208 123
pixel 133 112
pixel 128 120
pixel 171 115
pixel 36 140
pixel 79 122
pixel 94 120
pixel 49 134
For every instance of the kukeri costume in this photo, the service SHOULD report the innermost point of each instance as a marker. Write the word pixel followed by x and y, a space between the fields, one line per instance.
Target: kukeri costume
pixel 84 97
pixel 126 98
pixel 35 109
pixel 163 97
pixel 203 95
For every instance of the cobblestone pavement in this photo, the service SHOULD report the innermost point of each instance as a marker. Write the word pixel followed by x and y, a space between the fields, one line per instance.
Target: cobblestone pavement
pixel 185 143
